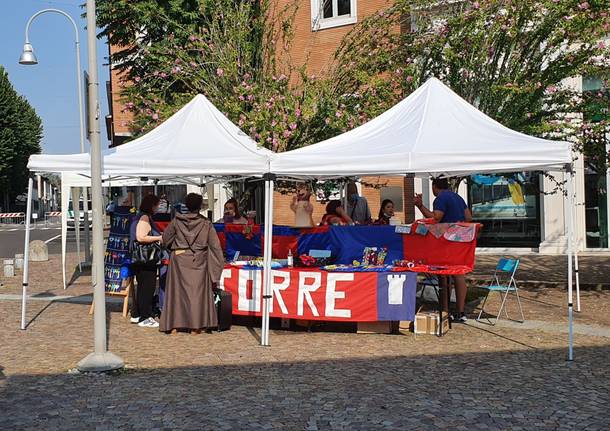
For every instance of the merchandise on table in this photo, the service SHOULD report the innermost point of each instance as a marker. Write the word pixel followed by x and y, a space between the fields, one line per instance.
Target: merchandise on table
pixel 358 268
pixel 117 257
pixel 374 255
pixel 308 261
pixel 404 263
pixel 257 263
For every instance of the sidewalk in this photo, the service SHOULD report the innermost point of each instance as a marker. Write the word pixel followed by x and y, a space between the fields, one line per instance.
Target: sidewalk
pixel 478 377
pixel 550 271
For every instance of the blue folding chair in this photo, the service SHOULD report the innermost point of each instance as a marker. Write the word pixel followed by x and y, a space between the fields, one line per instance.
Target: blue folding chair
pixel 503 281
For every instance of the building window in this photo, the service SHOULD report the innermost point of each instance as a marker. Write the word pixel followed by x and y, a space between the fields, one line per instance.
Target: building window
pixel 597 178
pixel 508 206
pixel 332 13
pixel 395 194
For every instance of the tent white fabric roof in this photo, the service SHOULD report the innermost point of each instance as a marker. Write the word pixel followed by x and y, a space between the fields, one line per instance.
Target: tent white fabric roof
pixel 197 140
pixel 432 132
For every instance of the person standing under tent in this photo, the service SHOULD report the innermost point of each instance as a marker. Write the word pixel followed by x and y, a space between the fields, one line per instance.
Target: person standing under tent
pixel 335 215
pixel 232 214
pixel 146 232
pixel 164 207
pixel 302 207
pixel 196 263
pixel 448 207
pixel 357 206
pixel 386 212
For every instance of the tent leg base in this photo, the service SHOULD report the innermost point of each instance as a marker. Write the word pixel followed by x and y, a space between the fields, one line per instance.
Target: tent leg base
pixel 100 362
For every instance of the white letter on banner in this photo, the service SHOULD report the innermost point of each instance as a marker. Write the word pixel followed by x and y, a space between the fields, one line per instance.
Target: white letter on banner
pixel 226 273
pixel 278 287
pixel 306 289
pixel 243 303
pixel 395 285
pixel 332 295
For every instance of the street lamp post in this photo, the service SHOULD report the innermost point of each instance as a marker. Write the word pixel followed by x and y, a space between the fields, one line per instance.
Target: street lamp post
pixel 28 58
pixel 100 359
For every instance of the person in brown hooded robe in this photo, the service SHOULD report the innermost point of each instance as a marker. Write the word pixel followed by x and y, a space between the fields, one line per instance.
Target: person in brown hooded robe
pixel 196 262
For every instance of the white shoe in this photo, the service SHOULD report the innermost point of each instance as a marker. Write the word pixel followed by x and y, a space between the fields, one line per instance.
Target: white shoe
pixel 149 323
pixel 134 320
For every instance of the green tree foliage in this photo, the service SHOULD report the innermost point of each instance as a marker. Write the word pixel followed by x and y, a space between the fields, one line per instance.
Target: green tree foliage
pixel 236 53
pixel 20 134
pixel 509 58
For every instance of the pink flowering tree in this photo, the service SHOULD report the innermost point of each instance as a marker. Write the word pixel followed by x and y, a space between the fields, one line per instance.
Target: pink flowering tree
pixel 511 59
pixel 235 53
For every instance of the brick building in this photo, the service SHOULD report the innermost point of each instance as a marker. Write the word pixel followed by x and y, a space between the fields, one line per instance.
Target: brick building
pixel 319 27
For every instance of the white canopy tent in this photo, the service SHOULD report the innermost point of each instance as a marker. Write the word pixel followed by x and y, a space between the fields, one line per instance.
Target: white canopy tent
pixel 433 132
pixel 198 140
pixel 197 144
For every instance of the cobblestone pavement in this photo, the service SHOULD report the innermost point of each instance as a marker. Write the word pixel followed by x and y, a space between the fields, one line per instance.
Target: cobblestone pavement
pixel 473 378
pixel 545 270
pixel 476 377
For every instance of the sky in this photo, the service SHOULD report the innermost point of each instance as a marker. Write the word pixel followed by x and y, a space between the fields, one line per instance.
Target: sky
pixel 50 86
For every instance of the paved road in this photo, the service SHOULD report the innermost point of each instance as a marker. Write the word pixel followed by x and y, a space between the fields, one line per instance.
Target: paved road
pixel 489 378
pixel 11 238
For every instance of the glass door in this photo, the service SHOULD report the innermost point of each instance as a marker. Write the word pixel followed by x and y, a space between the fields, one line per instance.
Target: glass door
pixel 508 206
pixel 596 208
pixel 596 169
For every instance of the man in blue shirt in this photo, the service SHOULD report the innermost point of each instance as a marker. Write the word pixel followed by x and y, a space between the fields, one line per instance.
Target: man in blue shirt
pixel 448 207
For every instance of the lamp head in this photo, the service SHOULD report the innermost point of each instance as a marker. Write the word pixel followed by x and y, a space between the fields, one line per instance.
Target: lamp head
pixel 27 56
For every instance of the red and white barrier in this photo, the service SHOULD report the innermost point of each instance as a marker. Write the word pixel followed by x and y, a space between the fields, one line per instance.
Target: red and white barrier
pixel 51 216
pixel 12 217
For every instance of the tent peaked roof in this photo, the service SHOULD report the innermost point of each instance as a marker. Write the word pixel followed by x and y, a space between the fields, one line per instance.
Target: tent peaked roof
pixel 196 140
pixel 432 131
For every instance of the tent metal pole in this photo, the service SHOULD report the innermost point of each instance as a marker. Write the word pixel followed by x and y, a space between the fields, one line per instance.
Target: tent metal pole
pixel 26 253
pixel 266 274
pixel 87 243
pixel 575 249
pixel 577 281
pixel 576 257
pixel 76 212
pixel 211 198
pixel 267 296
pixel 268 292
pixel 570 252
pixel 65 197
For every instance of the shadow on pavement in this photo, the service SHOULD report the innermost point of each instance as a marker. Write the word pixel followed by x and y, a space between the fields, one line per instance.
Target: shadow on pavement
pixel 532 389
pixel 37 315
pixel 77 274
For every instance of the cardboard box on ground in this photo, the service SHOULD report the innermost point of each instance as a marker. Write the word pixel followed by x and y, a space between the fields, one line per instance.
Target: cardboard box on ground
pixel 427 322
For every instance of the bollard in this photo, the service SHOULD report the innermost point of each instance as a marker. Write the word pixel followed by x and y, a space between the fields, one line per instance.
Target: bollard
pixel 38 251
pixel 9 269
pixel 19 261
